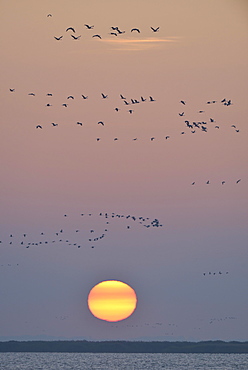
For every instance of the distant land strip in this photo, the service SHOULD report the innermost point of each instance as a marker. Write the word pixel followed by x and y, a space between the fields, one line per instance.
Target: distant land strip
pixel 83 346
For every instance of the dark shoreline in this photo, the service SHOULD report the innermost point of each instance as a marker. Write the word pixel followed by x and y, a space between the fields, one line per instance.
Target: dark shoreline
pixel 83 346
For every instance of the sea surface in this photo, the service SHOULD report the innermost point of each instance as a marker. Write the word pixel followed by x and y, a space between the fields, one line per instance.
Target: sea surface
pixel 121 361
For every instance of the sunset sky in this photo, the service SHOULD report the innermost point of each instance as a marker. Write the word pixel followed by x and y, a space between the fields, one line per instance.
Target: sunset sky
pixel 52 175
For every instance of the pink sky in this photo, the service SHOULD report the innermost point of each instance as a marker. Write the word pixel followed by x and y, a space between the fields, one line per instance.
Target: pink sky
pixel 198 55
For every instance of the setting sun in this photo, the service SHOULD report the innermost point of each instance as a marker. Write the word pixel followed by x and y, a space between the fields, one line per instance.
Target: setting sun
pixel 112 300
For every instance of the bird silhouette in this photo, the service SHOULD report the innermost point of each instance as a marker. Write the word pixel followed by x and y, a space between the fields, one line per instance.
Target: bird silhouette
pixel 11 90
pixel 70 97
pixel 130 111
pixel 38 126
pixel 49 94
pixel 89 27
pixel 113 34
pixel 64 105
pixel 58 38
pixel 97 36
pixel 135 29
pixel 84 97
pixel 122 97
pixel 100 123
pixel 54 124
pixel 183 102
pixel 167 137
pixel 32 94
pixel 152 138
pixel 49 15
pixel 98 139
pixel 208 182
pixel 238 181
pixel 76 37
pixel 155 29
pixel 119 31
pixel 70 29
pixel 79 123
pixel 142 99
pixel 104 96
pixel 223 182
pixel 151 98
pixel 181 114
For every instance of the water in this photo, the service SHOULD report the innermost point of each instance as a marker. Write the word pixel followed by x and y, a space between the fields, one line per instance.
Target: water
pixel 122 361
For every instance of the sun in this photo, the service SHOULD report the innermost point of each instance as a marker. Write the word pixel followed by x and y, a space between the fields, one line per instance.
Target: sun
pixel 112 300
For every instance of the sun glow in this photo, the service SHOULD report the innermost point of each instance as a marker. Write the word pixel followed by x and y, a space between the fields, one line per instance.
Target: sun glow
pixel 112 300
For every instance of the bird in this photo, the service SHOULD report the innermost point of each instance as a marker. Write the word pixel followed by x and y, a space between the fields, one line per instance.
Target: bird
pixel 152 138
pixel 126 102
pixel 155 29
pixel 38 126
pixel 79 123
pixel 142 99
pixel 49 94
pixel 98 139
pixel 211 120
pixel 193 183
pixel 135 29
pixel 113 34
pixel 70 29
pixel 208 182
pixel 117 109
pixel 89 27
pixel 151 98
pixel 238 181
pixel 167 137
pixel 122 97
pixel 76 37
pixel 217 126
pixel 97 36
pixel 135 139
pixel 58 38
pixel 100 123
pixel 116 138
pixel 12 90
pixel 119 31
pixel 54 124
pixel 104 96
pixel 49 105
pixel 84 97
pixel 233 126
pixel 130 111
pixel 64 105
pixel 70 97
pixel 32 94
pixel 201 111
pixel 183 102
pixel 181 114
pixel 223 182
pixel 49 15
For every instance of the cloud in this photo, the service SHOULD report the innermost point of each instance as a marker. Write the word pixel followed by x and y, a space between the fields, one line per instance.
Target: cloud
pixel 137 44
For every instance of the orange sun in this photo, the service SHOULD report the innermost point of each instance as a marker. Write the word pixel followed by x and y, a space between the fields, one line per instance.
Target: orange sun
pixel 112 300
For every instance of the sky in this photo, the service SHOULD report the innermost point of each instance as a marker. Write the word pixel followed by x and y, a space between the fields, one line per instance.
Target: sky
pixel 189 274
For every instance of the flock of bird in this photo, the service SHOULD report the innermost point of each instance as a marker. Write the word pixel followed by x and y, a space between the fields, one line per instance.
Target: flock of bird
pixel 92 237
pixel 222 182
pixel 215 273
pixel 113 31
pixel 193 127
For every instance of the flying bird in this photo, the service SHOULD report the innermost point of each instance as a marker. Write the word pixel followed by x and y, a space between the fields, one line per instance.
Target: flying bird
pixel 142 99
pixel 167 137
pixel 97 36
pixel 104 96
pixel 100 123
pixel 49 94
pixel 151 98
pixel 70 29
pixel 119 31
pixel 79 123
pixel 70 97
pixel 76 37
pixel 135 29
pixel 89 27
pixel 11 90
pixel 113 34
pixel 64 105
pixel 238 181
pixel 58 38
pixel 49 105
pixel 223 182
pixel 152 138
pixel 183 102
pixel 84 97
pixel 38 126
pixel 130 111
pixel 49 15
pixel 181 114
pixel 32 94
pixel 155 29
pixel 122 97
pixel 54 124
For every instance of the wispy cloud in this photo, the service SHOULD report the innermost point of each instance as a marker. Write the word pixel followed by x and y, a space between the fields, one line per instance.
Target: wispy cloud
pixel 137 44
